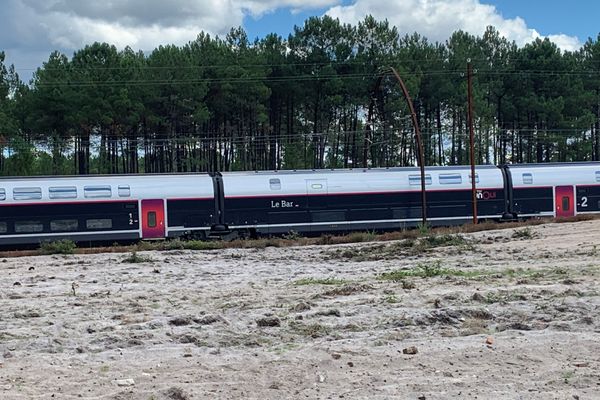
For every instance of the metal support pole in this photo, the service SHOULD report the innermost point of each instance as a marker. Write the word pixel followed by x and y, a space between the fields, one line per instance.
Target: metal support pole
pixel 419 141
pixel 471 137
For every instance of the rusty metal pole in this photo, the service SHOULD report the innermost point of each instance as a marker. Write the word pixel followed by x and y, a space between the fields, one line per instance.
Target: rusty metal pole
pixel 471 137
pixel 419 141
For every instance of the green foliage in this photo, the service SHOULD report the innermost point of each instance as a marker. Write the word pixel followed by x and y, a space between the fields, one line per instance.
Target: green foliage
pixel 300 102
pixel 135 258
pixel 58 247
pixel 319 281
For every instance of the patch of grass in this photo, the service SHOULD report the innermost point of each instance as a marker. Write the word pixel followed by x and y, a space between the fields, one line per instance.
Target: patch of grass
pixel 425 270
pixel 135 258
pixel 391 299
pixel 443 240
pixel 58 247
pixel 319 281
pixel 312 330
pixel 525 233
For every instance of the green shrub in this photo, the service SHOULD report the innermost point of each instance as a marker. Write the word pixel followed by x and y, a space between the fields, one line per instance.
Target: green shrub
pixel 64 246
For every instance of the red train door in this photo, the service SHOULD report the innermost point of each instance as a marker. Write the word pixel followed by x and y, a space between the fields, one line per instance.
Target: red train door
pixel 153 219
pixel 564 201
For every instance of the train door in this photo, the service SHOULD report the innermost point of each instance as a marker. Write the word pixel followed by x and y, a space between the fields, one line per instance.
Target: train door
pixel 564 204
pixel 153 219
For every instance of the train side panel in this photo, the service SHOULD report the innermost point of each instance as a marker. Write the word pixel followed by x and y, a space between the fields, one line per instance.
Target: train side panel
pixel 323 201
pixel 555 190
pixel 96 208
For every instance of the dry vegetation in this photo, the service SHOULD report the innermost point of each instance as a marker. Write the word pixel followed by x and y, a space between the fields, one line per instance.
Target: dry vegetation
pixel 509 313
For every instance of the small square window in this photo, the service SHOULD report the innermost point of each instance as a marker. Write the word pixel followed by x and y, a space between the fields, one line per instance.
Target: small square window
pixel 124 191
pixel 29 226
pixel 64 225
pixel 63 192
pixel 27 193
pixel 95 192
pixel 2 194
pixel 98 223
pixel 151 219
pixel 449 179
pixel 415 180
pixel 275 184
pixel 527 178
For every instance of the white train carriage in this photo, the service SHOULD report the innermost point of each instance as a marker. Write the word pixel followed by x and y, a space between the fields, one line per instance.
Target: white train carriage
pixel 94 208
pixel 555 189
pixel 340 200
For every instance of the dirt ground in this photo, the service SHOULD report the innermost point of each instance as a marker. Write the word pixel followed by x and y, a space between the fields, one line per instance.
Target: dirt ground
pixel 506 314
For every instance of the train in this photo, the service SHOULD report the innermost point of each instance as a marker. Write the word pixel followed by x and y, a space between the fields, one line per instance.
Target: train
pixel 103 208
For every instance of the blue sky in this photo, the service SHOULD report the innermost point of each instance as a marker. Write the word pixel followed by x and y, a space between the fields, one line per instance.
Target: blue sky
pixel 31 29
pixel 580 18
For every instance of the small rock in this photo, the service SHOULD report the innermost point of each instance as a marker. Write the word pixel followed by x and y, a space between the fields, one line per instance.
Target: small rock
pixel 410 350
pixel 268 322
pixel 477 297
pixel 489 341
pixel 582 364
pixel 180 321
pixel 31 268
pixel 422 397
pixel 17 284
pixel 7 354
pixel 301 307
pixel 320 378
pixel 125 382
pixel 336 356
pixel 350 364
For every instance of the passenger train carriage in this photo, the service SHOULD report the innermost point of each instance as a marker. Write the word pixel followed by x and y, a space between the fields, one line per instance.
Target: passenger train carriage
pixel 131 207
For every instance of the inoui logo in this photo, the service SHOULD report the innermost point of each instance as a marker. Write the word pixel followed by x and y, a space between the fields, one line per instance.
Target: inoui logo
pixel 485 195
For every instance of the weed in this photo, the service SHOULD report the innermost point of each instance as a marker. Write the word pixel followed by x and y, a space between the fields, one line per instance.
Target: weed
pixel 567 376
pixel 134 258
pixel 292 235
pixel 58 247
pixel 391 299
pixel 423 229
pixel 311 330
pixel 319 281
pixel 422 270
pixel 443 240
pixel 525 233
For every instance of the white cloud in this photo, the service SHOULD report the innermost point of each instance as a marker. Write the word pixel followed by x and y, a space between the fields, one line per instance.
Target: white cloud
pixel 141 24
pixel 437 19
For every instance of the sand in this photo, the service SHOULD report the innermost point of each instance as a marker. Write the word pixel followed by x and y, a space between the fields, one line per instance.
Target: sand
pixel 506 314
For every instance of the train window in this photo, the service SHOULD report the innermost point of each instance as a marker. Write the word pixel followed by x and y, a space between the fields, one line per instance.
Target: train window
pixel 476 178
pixel 3 227
pixel 63 192
pixel 566 204
pixel 27 193
pixel 124 191
pixel 275 184
pixel 61 225
pixel 527 178
pixel 415 180
pixel 2 194
pixel 98 223
pixel 29 226
pixel 450 179
pixel 95 192
pixel 151 219
pixel 597 176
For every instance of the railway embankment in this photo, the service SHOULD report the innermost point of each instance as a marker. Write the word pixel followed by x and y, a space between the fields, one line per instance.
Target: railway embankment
pixel 490 314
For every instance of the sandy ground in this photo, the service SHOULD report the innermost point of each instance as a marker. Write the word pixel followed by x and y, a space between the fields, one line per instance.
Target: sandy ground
pixel 507 314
